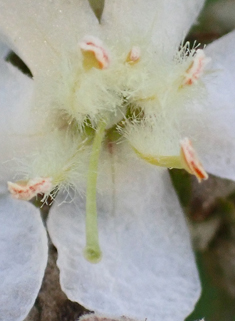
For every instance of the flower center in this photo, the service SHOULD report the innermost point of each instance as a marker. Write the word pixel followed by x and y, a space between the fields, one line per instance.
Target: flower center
pixel 131 93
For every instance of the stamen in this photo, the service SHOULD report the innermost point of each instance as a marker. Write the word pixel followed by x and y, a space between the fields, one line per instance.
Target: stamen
pixel 196 68
pixel 95 46
pixel 134 55
pixel 25 190
pixel 191 161
pixel 92 250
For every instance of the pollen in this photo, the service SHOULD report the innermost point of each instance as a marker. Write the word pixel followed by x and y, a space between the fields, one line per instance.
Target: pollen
pixel 191 161
pixel 26 190
pixel 196 68
pixel 95 47
pixel 134 55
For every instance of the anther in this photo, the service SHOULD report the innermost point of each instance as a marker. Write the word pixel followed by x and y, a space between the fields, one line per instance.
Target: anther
pixel 191 161
pixel 196 68
pixel 134 55
pixel 26 190
pixel 95 46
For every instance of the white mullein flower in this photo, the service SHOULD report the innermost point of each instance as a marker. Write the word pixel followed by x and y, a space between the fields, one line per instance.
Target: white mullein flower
pixel 112 104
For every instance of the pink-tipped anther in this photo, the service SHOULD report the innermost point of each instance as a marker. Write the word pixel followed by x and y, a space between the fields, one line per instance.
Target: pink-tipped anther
pixel 95 46
pixel 196 68
pixel 134 55
pixel 191 161
pixel 25 190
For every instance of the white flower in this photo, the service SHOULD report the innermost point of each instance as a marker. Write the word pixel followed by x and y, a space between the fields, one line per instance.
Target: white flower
pixel 120 97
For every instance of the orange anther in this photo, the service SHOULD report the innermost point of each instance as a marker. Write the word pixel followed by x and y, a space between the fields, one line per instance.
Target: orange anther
pixel 191 161
pixel 196 68
pixel 25 190
pixel 95 46
pixel 134 55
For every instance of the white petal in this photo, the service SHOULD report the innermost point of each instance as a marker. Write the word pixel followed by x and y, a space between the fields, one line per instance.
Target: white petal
pixel 213 125
pixel 23 248
pixel 148 269
pixel 3 50
pixel 19 126
pixel 165 22
pixel 40 32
